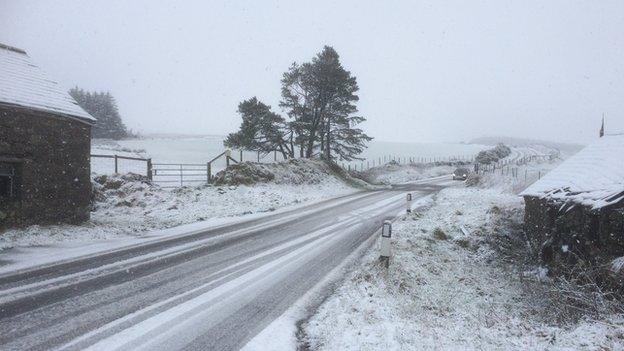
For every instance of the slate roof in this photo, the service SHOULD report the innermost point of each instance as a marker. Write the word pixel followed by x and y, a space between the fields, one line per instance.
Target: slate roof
pixel 24 84
pixel 593 177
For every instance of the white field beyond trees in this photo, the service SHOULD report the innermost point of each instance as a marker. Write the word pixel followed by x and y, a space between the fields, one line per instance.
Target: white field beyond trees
pixel 200 149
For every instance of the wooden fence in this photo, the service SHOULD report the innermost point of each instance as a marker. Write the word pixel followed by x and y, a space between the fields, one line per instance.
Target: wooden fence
pixel 174 174
pixel 116 158
pixel 181 174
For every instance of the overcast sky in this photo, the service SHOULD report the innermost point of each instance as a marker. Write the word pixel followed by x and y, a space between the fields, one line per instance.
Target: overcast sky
pixel 428 71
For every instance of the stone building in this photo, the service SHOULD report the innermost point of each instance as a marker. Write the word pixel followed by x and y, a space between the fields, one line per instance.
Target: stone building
pixel 44 147
pixel 576 212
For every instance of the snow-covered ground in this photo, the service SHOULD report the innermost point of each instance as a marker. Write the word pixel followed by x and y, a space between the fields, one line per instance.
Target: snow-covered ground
pixel 394 173
pixel 515 178
pixel 449 290
pixel 200 149
pixel 520 152
pixel 127 206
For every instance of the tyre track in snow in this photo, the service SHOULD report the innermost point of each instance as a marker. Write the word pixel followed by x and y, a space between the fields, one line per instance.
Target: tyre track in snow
pixel 104 298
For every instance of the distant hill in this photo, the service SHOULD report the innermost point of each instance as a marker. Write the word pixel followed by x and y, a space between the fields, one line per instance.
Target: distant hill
pixel 511 141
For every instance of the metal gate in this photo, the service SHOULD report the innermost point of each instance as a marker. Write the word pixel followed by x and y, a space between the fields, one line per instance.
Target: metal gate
pixel 171 175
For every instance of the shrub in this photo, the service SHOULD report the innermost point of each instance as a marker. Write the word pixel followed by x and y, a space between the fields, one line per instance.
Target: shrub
pixel 493 155
pixel 245 173
pixel 473 179
pixel 440 234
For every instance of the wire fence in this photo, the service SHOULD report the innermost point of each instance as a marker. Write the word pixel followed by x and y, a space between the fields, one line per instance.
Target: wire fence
pixel 367 164
pixel 520 173
pixel 182 174
pixel 512 171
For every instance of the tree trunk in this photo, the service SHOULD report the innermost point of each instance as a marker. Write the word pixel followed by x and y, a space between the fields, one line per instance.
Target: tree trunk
pixel 327 138
pixel 318 115
pixel 284 155
pixel 292 146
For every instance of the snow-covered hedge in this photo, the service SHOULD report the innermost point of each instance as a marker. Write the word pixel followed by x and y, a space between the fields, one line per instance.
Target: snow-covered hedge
pixel 293 171
pixel 493 155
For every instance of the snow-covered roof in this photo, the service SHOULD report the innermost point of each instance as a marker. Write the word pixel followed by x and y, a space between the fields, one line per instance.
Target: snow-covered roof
pixel 24 84
pixel 593 177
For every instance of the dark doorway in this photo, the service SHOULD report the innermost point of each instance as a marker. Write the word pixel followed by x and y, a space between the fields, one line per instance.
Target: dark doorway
pixel 8 180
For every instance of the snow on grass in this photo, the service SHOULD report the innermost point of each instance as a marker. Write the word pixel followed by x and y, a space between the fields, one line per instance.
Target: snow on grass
pixel 128 206
pixel 394 173
pixel 445 290
pixel 515 178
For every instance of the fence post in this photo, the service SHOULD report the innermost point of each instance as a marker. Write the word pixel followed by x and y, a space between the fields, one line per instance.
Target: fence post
pixel 258 156
pixel 208 171
pixel 241 155
pixel 116 168
pixel 275 155
pixel 149 169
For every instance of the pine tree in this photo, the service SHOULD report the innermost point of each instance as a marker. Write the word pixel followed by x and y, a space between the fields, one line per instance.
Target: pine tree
pixel 320 98
pixel 103 107
pixel 261 130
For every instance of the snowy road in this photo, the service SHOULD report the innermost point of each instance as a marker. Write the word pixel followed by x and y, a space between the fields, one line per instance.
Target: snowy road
pixel 212 290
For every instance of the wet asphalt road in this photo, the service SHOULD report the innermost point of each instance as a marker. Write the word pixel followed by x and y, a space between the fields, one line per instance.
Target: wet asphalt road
pixel 212 290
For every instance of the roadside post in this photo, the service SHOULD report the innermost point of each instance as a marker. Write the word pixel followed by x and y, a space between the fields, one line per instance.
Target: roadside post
pixel 409 202
pixel 228 154
pixel 386 234
pixel 150 176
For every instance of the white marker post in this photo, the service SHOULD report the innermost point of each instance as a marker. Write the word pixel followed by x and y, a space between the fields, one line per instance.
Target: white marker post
pixel 386 234
pixel 409 202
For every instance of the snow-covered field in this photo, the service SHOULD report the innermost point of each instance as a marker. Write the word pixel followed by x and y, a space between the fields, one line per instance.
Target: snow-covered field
pixel 393 173
pixel 130 207
pixel 200 149
pixel 404 151
pixel 449 290
pixel 525 175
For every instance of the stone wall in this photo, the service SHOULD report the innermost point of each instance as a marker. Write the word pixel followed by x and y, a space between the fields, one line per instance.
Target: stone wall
pixel 51 155
pixel 567 235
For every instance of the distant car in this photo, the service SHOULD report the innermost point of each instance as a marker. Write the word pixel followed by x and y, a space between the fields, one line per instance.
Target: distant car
pixel 461 174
